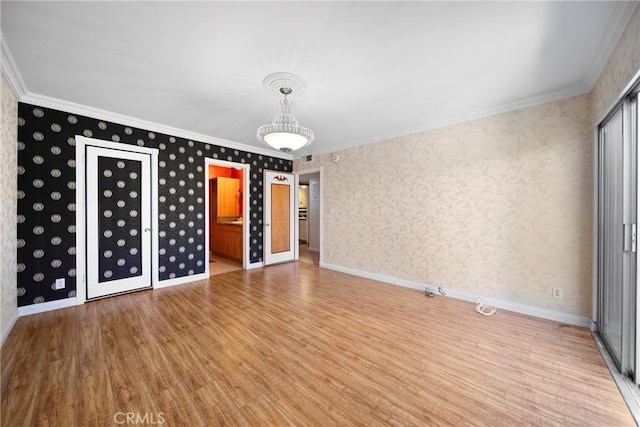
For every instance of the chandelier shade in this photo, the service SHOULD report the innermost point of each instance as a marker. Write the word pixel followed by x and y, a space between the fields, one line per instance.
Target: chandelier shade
pixel 284 133
pixel 286 141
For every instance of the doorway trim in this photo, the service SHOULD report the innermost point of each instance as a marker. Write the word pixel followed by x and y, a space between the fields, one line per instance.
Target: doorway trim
pixel 246 205
pixel 288 251
pixel 81 230
pixel 320 207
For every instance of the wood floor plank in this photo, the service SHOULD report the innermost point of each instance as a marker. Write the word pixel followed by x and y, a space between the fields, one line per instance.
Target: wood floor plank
pixel 178 407
pixel 293 344
pixel 55 403
pixel 262 411
pixel 95 404
pixel 217 407
pixel 20 389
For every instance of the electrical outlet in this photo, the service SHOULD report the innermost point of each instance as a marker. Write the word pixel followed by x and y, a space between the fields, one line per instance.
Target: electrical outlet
pixel 556 292
pixel 60 284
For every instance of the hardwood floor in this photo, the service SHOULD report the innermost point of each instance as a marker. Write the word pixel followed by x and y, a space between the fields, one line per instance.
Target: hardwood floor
pixel 220 265
pixel 308 256
pixel 293 344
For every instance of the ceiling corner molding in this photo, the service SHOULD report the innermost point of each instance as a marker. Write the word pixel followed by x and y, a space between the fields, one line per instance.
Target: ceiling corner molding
pixel 493 111
pixel 615 27
pixel 96 113
pixel 10 70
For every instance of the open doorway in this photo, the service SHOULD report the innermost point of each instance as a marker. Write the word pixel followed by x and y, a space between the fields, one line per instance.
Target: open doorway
pixel 310 216
pixel 227 207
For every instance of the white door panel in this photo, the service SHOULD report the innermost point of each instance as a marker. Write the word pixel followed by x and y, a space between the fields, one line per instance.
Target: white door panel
pixel 118 221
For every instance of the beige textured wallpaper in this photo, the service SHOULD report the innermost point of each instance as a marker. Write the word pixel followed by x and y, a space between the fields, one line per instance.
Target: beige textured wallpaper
pixel 623 64
pixel 498 207
pixel 8 191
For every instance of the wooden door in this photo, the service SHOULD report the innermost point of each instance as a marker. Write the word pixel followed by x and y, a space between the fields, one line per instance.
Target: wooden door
pixel 228 196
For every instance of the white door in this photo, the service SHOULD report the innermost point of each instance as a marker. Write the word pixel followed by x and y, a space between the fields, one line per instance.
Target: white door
pixel 279 217
pixel 118 221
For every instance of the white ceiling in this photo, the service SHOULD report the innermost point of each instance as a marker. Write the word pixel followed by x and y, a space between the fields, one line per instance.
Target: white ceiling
pixel 373 69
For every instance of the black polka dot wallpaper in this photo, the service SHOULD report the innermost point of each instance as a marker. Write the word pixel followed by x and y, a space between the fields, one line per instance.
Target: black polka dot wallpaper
pixel 46 200
pixel 120 219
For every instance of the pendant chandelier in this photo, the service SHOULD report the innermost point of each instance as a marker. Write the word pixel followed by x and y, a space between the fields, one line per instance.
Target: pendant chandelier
pixel 284 133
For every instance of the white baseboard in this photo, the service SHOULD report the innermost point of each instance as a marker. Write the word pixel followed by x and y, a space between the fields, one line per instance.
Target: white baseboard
pixel 6 329
pixel 181 280
pixel 70 302
pixel 46 306
pixel 529 310
pixel 255 265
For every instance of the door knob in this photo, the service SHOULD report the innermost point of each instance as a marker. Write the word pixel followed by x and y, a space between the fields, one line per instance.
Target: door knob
pixel 146 230
pixel 266 225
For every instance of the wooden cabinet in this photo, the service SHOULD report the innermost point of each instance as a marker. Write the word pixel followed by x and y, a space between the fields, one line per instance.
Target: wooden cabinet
pixel 226 240
pixel 303 230
pixel 225 197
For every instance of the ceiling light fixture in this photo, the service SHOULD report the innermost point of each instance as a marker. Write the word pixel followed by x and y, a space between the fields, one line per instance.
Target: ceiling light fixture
pixel 284 133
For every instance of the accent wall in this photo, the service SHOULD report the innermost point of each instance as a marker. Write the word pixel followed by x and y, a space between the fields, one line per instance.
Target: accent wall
pixel 46 198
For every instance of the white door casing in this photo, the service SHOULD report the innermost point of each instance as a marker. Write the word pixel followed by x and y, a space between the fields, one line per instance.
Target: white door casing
pixel 280 217
pixel 315 216
pixel 246 219
pixel 116 237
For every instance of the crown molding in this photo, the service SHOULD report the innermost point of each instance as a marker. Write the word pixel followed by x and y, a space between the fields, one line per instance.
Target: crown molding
pixel 615 27
pixel 493 111
pixel 11 73
pixel 10 70
pixel 617 23
pixel 96 113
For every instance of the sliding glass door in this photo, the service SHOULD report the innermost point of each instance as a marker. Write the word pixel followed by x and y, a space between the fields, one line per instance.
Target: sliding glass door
pixel 617 233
